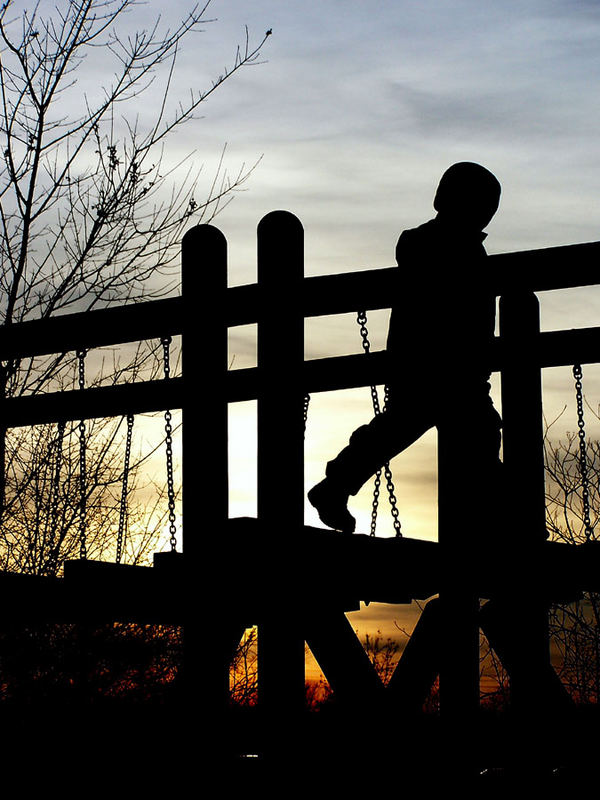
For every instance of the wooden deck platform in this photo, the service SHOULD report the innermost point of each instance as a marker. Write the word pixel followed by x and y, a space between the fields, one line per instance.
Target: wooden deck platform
pixel 327 569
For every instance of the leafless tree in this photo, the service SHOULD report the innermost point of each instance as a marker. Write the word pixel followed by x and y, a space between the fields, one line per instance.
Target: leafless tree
pixel 243 672
pixel 84 216
pixel 575 627
pixel 91 214
pixel 383 654
pixel 42 519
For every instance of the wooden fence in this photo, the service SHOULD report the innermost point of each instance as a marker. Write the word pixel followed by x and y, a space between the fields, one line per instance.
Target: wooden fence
pixel 272 550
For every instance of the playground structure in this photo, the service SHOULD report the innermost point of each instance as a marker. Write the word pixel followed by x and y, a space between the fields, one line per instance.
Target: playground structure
pixel 296 583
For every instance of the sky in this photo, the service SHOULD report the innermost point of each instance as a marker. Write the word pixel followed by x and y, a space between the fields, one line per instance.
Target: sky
pixel 361 105
pixel 354 112
pixel 357 110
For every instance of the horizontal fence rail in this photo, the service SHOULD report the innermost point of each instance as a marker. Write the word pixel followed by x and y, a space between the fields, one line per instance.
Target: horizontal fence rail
pixel 527 270
pixel 104 327
pixel 555 349
pixel 280 302
pixel 143 397
pixel 534 270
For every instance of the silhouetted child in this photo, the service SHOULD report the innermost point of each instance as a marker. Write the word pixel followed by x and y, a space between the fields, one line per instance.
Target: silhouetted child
pixel 441 327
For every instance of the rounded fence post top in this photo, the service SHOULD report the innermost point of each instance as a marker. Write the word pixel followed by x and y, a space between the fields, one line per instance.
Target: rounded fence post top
pixel 280 218
pixel 203 260
pixel 204 235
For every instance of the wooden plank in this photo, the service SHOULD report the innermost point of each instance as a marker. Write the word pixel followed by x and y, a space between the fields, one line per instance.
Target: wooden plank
pixel 536 270
pixel 205 465
pixel 419 664
pixel 563 348
pixel 524 480
pixel 92 592
pixel 280 454
pixel 343 659
pixel 388 569
pixel 509 628
pixel 99 328
pixel 105 401
pixel 547 268
pixel 527 270
pixel 555 348
pixel 459 537
pixel 522 411
pixel 379 569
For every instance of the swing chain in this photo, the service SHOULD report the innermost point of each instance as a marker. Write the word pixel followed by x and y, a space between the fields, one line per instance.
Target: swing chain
pixel 81 354
pixel 52 547
pixel 361 319
pixel 123 508
pixel 306 405
pixel 585 493
pixel 375 505
pixel 393 501
pixel 166 342
pixel 166 345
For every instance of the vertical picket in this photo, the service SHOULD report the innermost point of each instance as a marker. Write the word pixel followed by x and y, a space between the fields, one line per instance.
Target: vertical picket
pixel 523 445
pixel 280 455
pixel 205 472
pixel 459 645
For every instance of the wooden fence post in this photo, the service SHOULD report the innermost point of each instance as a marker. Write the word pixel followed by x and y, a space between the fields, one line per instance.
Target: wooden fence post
pixel 523 456
pixel 205 477
pixel 280 491
pixel 459 526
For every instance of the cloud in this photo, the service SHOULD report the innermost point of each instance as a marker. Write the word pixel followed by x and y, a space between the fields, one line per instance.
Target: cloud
pixel 360 107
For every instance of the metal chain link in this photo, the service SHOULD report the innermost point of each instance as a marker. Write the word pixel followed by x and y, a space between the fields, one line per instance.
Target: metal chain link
pixel 81 354
pixel 393 501
pixel 375 504
pixel 583 469
pixel 122 531
pixel 52 548
pixel 361 319
pixel 166 343
pixel 306 405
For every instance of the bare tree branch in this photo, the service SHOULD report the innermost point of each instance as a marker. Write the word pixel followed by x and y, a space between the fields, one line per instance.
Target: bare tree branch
pixel 91 213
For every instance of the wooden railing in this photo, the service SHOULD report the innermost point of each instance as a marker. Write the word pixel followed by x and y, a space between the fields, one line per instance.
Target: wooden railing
pixel 279 303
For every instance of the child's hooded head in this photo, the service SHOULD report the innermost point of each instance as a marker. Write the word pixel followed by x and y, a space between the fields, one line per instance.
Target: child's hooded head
pixel 468 195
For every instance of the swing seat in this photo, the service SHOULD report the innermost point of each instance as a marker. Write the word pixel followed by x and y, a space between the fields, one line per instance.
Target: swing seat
pixel 169 560
pixel 105 591
pixel 323 570
pixel 29 599
pixel 97 591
